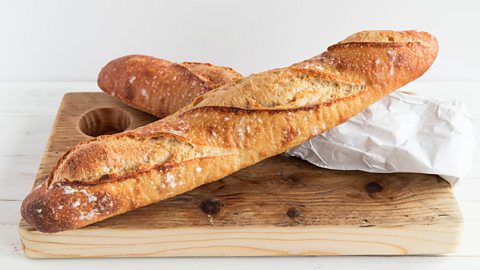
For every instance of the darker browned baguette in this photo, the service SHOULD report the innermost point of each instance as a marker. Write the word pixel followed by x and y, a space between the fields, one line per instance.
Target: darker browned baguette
pixel 226 129
pixel 158 86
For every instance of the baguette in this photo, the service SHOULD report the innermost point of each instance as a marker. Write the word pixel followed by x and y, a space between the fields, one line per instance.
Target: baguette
pixel 225 130
pixel 158 86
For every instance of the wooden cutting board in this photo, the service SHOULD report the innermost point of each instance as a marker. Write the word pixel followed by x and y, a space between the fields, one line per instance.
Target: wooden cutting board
pixel 279 207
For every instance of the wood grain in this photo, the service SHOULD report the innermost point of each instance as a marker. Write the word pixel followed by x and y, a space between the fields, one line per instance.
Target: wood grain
pixel 279 207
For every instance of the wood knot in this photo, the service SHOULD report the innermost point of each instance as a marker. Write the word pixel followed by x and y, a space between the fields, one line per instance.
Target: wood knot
pixel 294 179
pixel 373 187
pixel 293 213
pixel 210 206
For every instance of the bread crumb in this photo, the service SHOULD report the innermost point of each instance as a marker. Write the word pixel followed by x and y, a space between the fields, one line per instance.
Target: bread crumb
pixel 38 210
pixel 198 169
pixel 210 219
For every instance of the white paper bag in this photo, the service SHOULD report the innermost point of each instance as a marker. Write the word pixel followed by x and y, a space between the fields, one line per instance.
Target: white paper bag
pixel 400 133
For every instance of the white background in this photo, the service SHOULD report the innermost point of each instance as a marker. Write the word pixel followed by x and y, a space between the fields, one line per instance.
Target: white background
pixel 59 40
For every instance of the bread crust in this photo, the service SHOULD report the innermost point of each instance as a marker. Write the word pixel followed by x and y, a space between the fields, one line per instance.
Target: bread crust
pixel 226 129
pixel 158 86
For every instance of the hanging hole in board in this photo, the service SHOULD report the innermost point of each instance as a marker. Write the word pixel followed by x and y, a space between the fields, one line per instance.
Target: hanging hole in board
pixel 104 121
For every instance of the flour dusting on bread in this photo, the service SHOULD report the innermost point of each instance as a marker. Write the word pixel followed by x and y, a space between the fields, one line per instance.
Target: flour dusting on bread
pixel 223 130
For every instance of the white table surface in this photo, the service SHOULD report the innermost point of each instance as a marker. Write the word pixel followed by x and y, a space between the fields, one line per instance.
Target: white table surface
pixel 27 111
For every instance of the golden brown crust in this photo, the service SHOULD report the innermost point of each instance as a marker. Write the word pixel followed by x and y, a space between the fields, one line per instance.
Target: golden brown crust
pixel 158 86
pixel 214 76
pixel 226 129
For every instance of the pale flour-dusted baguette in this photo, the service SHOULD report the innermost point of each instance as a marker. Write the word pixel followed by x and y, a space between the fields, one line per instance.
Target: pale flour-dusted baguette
pixel 158 86
pixel 226 129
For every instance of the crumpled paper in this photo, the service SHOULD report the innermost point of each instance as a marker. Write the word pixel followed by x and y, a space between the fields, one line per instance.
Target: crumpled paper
pixel 400 133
